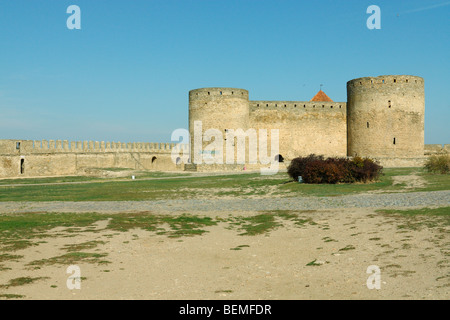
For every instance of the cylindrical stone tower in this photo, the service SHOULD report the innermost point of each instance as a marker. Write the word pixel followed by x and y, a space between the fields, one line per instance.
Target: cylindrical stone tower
pixel 385 117
pixel 218 108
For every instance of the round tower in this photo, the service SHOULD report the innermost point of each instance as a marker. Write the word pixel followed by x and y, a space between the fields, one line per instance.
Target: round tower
pixel 385 117
pixel 218 108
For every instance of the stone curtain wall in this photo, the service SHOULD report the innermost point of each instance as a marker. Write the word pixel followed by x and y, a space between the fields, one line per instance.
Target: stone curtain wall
pixel 304 127
pixel 434 149
pixel 25 158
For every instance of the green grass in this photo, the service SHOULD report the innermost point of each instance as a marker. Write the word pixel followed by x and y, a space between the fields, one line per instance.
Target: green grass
pixel 267 221
pixel 442 211
pixel 258 224
pixel 83 246
pixel 313 263
pixel 21 231
pixel 21 281
pixel 182 187
pixel 9 257
pixel 26 181
pixel 385 184
pixel 68 179
pixel 179 188
pixel 184 225
pixel 11 296
pixel 71 258
pixel 418 218
pixel 240 247
pixel 346 248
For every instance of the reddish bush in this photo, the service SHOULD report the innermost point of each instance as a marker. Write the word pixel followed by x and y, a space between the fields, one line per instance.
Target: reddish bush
pixel 317 169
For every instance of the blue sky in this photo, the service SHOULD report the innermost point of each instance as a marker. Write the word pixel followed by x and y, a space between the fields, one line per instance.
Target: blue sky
pixel 126 74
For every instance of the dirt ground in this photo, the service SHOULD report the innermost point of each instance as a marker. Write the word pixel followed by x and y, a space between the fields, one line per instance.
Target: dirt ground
pixel 326 260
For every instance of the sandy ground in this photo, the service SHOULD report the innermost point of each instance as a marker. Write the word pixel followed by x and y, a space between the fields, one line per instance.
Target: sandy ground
pixel 414 264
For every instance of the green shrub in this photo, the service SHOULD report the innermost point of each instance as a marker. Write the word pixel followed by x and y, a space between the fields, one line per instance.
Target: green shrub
pixel 317 169
pixel 438 163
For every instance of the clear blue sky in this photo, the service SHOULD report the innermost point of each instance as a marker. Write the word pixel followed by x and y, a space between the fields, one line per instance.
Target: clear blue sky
pixel 126 74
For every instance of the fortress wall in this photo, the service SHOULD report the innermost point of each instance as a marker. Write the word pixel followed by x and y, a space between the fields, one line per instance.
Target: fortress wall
pixel 56 157
pixel 388 162
pixel 304 127
pixel 386 116
pixel 431 149
pixel 218 108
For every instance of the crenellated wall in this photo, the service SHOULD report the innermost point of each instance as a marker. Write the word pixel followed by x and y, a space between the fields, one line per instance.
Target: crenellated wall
pixel 26 158
pixel 383 118
pixel 304 127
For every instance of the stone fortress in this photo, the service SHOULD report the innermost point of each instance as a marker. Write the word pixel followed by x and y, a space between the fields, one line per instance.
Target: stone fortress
pixel 383 118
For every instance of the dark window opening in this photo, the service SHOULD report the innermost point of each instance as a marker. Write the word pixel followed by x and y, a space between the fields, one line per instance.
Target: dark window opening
pixel 154 159
pixel 22 166
pixel 406 80
pixel 395 80
pixel 394 140
pixel 389 103
pixel 285 106
pixel 17 145
pixel 295 106
pixel 279 158
pixel 209 93
pixel 220 92
pixel 267 105
pixel 367 124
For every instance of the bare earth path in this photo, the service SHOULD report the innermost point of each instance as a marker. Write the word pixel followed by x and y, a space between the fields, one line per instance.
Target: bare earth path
pixel 327 259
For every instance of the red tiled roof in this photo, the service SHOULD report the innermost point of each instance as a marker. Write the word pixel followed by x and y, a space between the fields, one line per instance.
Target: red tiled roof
pixel 321 96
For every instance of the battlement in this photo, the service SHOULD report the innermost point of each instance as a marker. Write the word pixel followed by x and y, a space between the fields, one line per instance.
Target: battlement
pixel 218 93
pixel 400 80
pixel 64 146
pixel 298 106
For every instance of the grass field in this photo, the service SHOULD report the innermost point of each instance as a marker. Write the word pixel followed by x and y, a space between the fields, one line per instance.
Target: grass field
pixel 34 245
pixel 172 186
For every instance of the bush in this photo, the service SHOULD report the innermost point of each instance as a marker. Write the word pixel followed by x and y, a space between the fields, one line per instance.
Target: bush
pixel 438 163
pixel 317 169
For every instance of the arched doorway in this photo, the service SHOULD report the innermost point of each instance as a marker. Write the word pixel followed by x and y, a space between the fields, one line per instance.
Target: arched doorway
pixel 279 158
